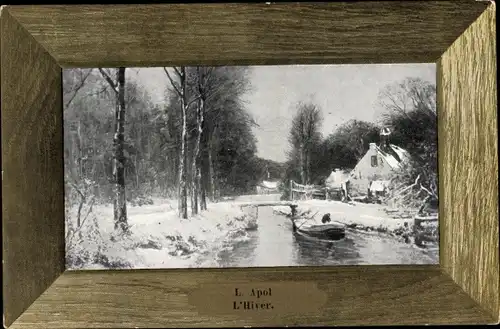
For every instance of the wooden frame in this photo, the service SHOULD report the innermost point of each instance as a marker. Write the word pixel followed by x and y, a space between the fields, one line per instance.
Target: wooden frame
pixel 36 41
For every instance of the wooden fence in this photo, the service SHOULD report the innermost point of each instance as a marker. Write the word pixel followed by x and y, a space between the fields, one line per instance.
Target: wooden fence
pixel 303 192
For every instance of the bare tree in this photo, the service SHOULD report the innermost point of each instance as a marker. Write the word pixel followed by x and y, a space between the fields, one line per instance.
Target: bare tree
pixel 304 136
pixel 180 88
pixel 211 133
pixel 410 94
pixel 209 95
pixel 75 79
pixel 411 113
pixel 207 87
pixel 224 87
pixel 120 201
pixel 201 80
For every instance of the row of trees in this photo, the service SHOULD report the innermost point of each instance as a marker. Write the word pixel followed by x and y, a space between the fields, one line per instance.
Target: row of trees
pixel 410 111
pixel 120 147
pixel 213 124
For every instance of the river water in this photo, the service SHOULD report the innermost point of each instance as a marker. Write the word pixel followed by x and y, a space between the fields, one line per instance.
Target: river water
pixel 274 244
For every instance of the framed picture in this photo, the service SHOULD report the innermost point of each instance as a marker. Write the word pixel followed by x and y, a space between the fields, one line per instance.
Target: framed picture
pixel 216 165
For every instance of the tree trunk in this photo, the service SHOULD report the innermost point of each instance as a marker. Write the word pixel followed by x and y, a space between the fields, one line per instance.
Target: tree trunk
pixel 203 198
pixel 80 149
pixel 120 202
pixel 94 174
pixel 74 164
pixel 183 154
pixel 204 175
pixel 202 192
pixel 211 171
pixel 141 151
pixel 194 166
pixel 136 165
pixel 307 168
pixel 302 165
pixel 195 184
pixel 197 188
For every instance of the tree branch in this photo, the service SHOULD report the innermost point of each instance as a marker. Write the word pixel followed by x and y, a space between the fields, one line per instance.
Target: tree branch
pixel 426 190
pixel 179 74
pixel 193 100
pixel 78 87
pixel 208 75
pixel 78 190
pixel 109 80
pixel 211 93
pixel 172 81
pixel 103 90
pixel 91 204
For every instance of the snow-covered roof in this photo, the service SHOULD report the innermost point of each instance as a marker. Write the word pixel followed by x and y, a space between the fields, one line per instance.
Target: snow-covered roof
pixel 402 153
pixel 390 159
pixel 269 185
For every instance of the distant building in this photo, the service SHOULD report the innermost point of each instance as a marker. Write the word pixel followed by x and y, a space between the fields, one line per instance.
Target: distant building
pixel 337 184
pixel 376 168
pixel 267 187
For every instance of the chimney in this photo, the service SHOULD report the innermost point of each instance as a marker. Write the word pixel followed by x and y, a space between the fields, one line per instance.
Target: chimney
pixel 384 138
pixel 373 146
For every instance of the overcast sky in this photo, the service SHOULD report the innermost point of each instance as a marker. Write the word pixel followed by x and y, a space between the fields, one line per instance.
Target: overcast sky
pixel 343 92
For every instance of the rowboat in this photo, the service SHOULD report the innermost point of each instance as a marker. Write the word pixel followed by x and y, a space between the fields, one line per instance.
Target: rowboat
pixel 327 232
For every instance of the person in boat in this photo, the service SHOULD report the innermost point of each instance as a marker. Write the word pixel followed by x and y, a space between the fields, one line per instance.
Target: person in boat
pixel 326 219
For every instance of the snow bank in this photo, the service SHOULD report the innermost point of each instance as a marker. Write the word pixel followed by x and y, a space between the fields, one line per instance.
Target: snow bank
pixel 158 237
pixel 360 216
pixel 269 184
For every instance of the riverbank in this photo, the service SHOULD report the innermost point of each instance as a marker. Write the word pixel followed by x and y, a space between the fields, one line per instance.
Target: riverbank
pixel 158 237
pixel 358 216
pixel 274 244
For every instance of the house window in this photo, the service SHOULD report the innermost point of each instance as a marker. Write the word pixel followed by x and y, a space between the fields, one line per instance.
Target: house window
pixel 374 160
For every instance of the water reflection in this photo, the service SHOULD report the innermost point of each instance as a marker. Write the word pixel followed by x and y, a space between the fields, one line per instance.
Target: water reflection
pixel 241 254
pixel 314 252
pixel 275 244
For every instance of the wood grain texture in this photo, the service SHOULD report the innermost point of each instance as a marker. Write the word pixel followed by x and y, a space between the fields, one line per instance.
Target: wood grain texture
pixel 282 33
pixel 32 168
pixel 360 295
pixel 356 32
pixel 468 154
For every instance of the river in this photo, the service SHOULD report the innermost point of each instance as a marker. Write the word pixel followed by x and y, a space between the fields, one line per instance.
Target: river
pixel 274 244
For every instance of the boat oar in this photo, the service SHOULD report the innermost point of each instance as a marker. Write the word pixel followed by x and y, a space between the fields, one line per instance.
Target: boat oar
pixel 308 219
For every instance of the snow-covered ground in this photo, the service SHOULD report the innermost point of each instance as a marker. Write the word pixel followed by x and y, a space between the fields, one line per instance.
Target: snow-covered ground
pixel 158 238
pixel 362 216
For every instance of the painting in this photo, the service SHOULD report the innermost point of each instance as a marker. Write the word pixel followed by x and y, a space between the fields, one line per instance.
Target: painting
pixel 250 166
